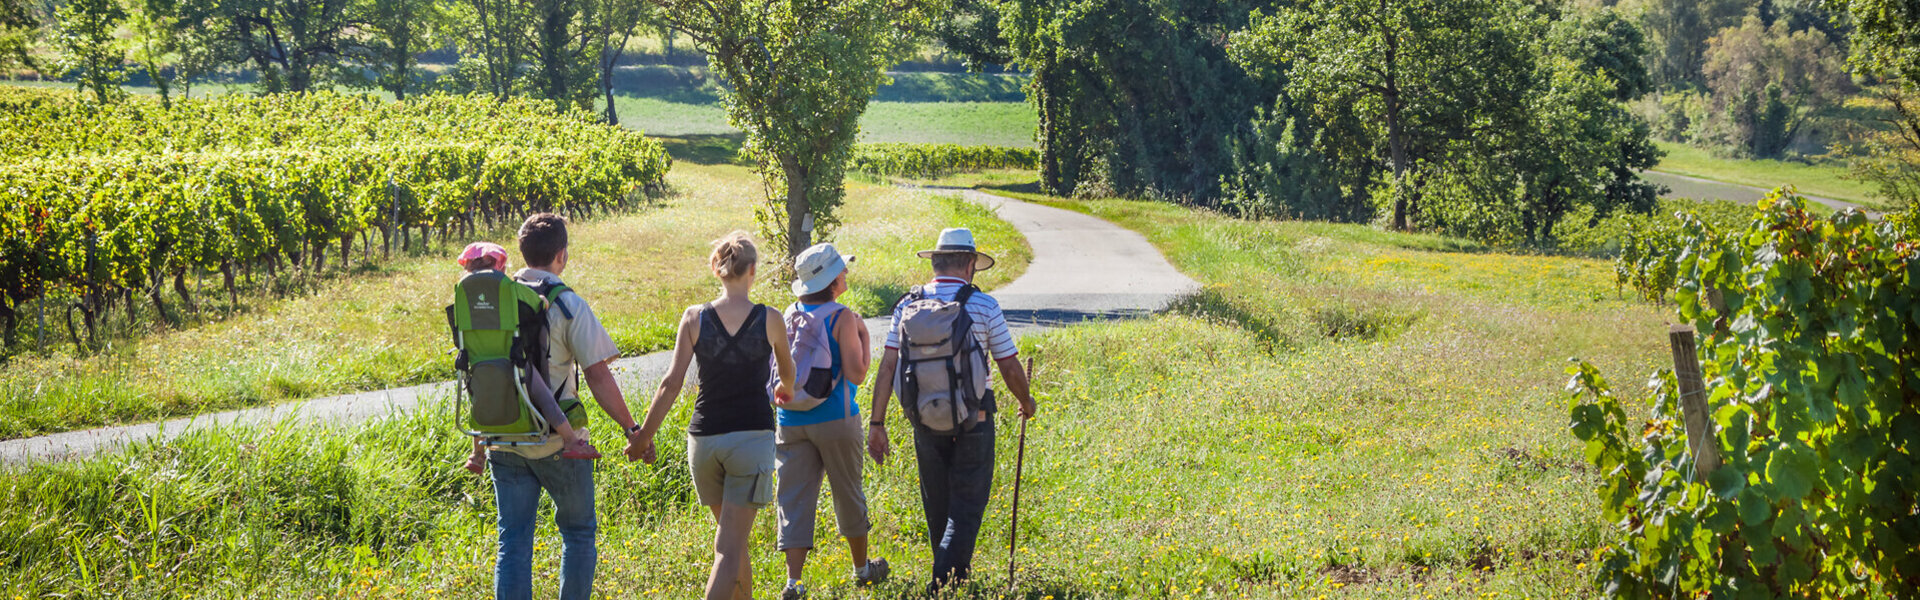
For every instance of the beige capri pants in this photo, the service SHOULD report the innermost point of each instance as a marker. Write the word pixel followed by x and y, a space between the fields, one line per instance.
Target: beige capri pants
pixel 804 455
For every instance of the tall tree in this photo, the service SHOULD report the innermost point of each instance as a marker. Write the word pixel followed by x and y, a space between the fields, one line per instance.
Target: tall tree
pixel 155 39
pixel 88 44
pixel 798 74
pixel 1137 96
pixel 1886 32
pixel 1423 69
pixel 614 25
pixel 1770 81
pixel 971 28
pixel 18 27
pixel 1603 41
pixel 1679 30
pixel 491 31
pixel 286 41
pixel 563 45
pixel 395 33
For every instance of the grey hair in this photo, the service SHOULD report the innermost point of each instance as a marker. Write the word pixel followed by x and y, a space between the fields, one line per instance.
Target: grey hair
pixel 955 262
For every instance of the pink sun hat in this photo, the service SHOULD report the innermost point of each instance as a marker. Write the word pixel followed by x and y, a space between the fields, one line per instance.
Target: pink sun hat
pixel 488 250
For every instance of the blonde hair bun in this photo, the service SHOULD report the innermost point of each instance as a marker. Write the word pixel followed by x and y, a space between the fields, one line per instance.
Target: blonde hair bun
pixel 733 255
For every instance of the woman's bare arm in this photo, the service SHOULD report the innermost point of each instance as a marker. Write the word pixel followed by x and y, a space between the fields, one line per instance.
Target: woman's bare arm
pixel 676 374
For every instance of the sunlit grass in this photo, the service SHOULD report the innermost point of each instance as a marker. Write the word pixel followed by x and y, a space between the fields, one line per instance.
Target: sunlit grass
pixel 1342 412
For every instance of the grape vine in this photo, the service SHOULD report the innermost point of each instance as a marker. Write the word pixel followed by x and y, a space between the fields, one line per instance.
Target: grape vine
pixel 107 201
pixel 1810 346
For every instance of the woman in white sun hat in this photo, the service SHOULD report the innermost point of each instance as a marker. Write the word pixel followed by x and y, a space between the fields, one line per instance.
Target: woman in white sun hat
pixel 824 441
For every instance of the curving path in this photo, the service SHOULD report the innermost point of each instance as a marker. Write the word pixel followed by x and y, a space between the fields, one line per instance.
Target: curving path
pixel 1683 186
pixel 1083 268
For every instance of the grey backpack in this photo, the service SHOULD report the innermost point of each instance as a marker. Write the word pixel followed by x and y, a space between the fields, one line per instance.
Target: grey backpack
pixel 942 379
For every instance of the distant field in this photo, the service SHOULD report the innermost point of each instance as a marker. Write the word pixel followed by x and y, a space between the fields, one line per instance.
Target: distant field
pixel 1826 179
pixel 967 123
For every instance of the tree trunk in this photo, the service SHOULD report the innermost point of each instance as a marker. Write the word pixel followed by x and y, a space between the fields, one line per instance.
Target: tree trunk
pixel 159 304
pixel 799 230
pixel 346 251
pixel 12 320
pixel 73 332
pixel 226 272
pixel 180 288
pixel 87 317
pixel 553 55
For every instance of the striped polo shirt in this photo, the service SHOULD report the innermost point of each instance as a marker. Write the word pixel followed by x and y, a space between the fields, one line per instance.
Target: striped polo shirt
pixel 989 323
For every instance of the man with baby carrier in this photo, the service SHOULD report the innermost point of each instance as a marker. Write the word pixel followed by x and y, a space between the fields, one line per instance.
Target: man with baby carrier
pixel 513 337
pixel 941 336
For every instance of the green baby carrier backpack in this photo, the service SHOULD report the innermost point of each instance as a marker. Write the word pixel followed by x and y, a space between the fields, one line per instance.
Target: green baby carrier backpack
pixel 499 337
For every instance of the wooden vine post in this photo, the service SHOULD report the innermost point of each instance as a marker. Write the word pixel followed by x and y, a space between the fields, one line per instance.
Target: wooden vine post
pixel 1693 402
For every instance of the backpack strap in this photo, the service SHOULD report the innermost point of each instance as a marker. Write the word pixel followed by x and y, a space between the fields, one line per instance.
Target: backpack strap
pixel 962 298
pixel 917 293
pixel 966 293
pixel 551 291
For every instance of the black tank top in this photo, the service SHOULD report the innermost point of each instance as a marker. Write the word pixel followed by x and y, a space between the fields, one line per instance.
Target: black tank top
pixel 734 370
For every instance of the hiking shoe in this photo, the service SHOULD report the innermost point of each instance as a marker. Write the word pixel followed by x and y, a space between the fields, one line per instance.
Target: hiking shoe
pixel 794 591
pixel 875 573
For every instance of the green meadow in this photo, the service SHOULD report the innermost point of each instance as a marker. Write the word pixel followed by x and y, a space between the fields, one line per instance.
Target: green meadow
pixel 1341 412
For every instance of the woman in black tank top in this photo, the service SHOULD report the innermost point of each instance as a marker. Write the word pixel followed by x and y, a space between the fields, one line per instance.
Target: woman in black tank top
pixel 734 369
pixel 730 446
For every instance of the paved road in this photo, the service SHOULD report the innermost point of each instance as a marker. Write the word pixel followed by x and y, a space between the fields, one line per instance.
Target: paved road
pixel 1083 268
pixel 1682 186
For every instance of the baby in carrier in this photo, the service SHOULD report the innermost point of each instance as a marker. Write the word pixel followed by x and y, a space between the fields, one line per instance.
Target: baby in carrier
pixel 483 256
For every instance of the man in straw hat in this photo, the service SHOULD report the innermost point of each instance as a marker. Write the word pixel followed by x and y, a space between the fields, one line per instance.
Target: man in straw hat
pixel 955 456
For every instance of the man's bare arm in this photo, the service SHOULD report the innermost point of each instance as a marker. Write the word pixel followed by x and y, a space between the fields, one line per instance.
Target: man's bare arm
pixel 606 392
pixel 1016 377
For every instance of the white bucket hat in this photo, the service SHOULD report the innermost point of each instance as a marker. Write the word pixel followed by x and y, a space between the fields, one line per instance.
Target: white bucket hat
pixel 816 267
pixel 959 240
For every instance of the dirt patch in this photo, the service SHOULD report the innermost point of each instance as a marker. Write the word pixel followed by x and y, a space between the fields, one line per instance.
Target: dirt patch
pixel 1348 574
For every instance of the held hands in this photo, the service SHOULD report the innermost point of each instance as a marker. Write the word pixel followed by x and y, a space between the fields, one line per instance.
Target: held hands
pixel 1028 408
pixel 640 447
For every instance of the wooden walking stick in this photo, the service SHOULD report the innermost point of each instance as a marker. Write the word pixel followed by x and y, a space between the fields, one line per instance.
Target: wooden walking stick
pixel 1019 462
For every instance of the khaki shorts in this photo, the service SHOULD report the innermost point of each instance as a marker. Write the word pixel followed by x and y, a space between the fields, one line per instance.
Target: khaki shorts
pixel 732 468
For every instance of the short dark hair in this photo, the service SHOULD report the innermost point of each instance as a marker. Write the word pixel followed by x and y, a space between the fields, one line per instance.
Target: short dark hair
pixel 820 297
pixel 542 238
pixel 950 262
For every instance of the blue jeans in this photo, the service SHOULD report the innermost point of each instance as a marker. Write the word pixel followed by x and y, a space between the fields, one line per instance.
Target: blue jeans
pixel 517 482
pixel 956 477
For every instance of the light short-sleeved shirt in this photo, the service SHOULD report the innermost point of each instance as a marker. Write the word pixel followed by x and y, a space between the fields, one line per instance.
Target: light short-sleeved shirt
pixel 572 344
pixel 989 323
